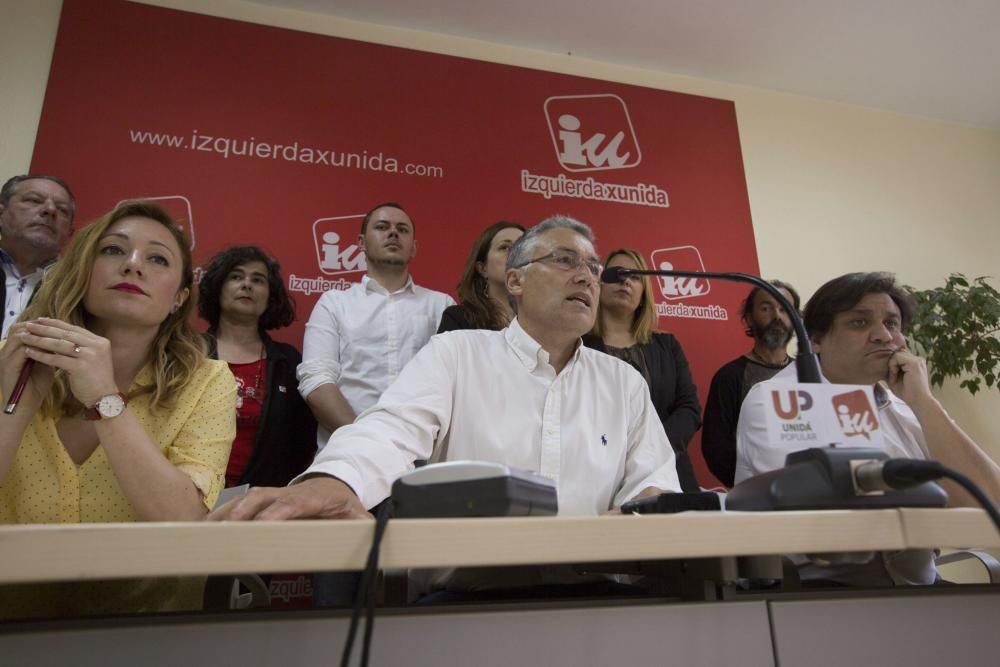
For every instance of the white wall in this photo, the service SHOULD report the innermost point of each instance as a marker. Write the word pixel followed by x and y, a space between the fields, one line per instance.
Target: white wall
pixel 833 188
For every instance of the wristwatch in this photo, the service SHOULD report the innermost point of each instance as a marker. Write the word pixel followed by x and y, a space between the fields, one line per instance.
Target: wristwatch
pixel 106 407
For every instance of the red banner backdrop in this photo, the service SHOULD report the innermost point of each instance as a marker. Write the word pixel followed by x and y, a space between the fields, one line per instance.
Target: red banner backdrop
pixel 252 134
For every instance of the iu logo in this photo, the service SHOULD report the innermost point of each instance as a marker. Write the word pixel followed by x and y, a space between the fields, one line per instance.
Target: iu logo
pixel 681 258
pixel 855 414
pixel 592 132
pixel 179 208
pixel 337 250
pixel 789 404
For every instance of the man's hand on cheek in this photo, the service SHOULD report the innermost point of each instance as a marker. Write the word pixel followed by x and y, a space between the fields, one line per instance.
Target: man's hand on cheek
pixel 908 376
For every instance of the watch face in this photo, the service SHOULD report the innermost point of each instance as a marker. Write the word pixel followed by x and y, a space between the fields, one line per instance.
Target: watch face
pixel 111 405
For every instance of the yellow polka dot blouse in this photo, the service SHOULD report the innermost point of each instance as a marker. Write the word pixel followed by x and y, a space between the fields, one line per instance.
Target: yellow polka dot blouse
pixel 43 485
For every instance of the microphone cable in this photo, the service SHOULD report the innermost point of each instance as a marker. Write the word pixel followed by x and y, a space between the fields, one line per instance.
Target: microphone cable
pixel 365 594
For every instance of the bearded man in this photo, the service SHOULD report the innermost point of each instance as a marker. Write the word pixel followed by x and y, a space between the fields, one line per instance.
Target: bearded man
pixel 770 327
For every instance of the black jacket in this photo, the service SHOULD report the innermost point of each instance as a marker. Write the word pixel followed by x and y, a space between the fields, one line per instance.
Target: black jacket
pixel 286 438
pixel 674 396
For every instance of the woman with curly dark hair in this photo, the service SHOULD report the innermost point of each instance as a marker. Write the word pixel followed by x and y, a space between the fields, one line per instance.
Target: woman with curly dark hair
pixel 242 297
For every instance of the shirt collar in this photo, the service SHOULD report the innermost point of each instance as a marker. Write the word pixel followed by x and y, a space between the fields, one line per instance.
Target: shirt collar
pixel 145 377
pixel 528 350
pixel 7 260
pixel 371 285
pixel 882 398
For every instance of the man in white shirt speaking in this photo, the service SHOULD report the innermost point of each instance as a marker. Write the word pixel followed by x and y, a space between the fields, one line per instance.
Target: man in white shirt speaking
pixel 357 341
pixel 529 396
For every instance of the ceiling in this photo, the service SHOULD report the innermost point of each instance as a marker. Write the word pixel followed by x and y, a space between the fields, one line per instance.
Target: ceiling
pixel 937 59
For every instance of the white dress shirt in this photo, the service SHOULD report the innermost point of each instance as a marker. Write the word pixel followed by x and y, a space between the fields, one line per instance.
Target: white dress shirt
pixel 17 290
pixel 361 338
pixel 493 396
pixel 756 454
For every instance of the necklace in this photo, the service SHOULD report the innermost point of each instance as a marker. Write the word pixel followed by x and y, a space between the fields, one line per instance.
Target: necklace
pixel 760 359
pixel 243 391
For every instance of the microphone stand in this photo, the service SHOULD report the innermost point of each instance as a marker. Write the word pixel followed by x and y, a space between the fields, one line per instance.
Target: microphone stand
pixel 806 362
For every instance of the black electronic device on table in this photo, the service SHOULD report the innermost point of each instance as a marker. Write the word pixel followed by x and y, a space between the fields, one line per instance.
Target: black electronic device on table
pixel 472 489
pixel 671 503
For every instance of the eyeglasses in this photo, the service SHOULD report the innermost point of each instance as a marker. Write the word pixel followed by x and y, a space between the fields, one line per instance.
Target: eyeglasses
pixel 567 260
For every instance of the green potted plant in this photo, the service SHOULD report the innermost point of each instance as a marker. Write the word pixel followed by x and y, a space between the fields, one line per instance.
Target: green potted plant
pixel 957 329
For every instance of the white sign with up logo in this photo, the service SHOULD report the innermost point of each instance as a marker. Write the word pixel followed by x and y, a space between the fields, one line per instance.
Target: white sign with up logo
pixel 817 415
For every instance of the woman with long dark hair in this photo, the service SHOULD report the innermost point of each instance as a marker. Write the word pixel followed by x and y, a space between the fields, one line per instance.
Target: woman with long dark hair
pixel 482 289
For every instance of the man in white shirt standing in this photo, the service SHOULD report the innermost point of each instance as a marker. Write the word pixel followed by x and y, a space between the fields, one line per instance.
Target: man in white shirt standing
pixel 530 396
pixel 357 341
pixel 36 216
pixel 856 323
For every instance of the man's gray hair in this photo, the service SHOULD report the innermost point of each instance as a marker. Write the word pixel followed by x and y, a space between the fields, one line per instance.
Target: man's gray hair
pixel 523 248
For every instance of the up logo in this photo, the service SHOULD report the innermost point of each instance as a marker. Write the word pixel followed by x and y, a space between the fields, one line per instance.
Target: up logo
pixel 855 414
pixel 681 258
pixel 791 403
pixel 337 249
pixel 592 132
pixel 179 208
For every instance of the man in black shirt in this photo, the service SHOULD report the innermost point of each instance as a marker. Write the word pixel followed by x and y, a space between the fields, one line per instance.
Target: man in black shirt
pixel 769 325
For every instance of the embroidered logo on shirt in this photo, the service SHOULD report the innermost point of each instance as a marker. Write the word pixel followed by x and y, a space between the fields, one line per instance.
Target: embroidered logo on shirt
pixel 604 439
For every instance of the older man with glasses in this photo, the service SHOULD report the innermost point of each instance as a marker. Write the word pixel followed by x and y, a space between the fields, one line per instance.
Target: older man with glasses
pixel 36 218
pixel 529 396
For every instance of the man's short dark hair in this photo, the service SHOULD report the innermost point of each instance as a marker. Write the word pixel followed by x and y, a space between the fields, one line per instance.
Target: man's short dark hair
pixel 841 294
pixel 390 204
pixel 280 311
pixel 748 303
pixel 7 191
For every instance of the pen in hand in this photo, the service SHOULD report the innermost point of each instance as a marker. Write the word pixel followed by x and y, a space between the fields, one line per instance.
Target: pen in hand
pixel 22 382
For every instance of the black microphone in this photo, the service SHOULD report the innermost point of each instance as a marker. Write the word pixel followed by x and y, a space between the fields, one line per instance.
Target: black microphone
pixel 894 474
pixel 806 363
pixel 898 474
pixel 614 274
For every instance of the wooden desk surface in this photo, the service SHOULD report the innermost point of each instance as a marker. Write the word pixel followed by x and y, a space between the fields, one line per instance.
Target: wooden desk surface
pixel 929 529
pixel 96 551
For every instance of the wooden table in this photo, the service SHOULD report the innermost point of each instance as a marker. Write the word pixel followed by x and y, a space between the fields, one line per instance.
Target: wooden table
pixel 883 627
pixel 100 551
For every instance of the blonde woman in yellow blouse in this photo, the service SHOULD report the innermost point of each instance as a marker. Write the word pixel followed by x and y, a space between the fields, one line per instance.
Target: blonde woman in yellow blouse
pixel 123 418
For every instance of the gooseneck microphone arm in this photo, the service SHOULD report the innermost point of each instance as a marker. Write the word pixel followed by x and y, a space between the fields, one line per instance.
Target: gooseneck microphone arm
pixel 806 362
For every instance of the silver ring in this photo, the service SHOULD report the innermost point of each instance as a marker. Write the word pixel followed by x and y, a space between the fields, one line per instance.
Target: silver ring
pixel 76 349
